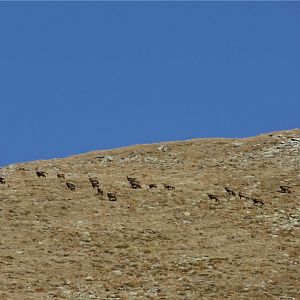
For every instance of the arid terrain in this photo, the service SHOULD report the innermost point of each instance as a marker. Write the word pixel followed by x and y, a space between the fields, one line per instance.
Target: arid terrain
pixel 190 239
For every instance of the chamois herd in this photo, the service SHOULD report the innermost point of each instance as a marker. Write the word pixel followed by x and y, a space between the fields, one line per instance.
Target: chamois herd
pixel 255 201
pixel 134 183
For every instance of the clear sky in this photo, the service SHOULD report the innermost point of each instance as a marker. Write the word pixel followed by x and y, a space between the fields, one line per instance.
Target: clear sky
pixel 76 77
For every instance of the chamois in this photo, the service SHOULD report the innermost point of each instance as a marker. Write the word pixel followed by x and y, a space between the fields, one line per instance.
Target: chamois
pixel 94 182
pixel 169 187
pixel 40 173
pixel 152 185
pixel 60 176
pixel 112 196
pixel 284 189
pixel 230 191
pixel 213 197
pixel 256 201
pixel 134 183
pixel 100 192
pixel 241 195
pixel 70 186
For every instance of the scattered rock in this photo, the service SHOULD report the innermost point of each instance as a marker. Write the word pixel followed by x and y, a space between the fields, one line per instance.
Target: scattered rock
pixel 85 237
pixel 89 278
pixel 118 272
pixel 163 148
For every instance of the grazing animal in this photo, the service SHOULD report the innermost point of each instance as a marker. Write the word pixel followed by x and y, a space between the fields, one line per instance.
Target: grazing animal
pixel 169 187
pixel 40 173
pixel 131 178
pixel 284 189
pixel 256 201
pixel 95 183
pixel 60 176
pixel 70 186
pixel 152 186
pixel 100 192
pixel 134 183
pixel 112 196
pixel 213 197
pixel 2 180
pixel 242 195
pixel 230 191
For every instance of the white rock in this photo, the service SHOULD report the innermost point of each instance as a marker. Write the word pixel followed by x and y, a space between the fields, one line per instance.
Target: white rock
pixel 237 144
pixel 89 278
pixel 163 148
pixel 85 237
pixel 117 272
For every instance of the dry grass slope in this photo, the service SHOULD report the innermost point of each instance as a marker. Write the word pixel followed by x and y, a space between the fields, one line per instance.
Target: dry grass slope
pixel 194 240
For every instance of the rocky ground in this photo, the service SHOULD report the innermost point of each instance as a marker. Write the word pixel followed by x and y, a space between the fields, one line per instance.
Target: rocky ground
pixel 197 241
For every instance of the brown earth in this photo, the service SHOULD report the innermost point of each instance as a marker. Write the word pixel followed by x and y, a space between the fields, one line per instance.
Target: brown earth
pixel 156 243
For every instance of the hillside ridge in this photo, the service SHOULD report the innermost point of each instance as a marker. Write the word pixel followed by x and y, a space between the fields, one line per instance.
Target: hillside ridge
pixel 290 132
pixel 198 219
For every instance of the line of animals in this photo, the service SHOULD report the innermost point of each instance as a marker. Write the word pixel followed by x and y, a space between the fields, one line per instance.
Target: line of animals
pixel 71 186
pixel 255 201
pixel 135 184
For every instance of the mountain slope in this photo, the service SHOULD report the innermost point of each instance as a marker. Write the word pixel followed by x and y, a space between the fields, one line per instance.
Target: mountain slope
pixel 196 241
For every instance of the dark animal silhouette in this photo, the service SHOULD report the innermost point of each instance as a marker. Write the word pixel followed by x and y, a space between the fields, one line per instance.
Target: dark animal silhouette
pixel 100 192
pixel 112 196
pixel 40 173
pixel 230 191
pixel 169 187
pixel 152 186
pixel 60 176
pixel 131 178
pixel 284 189
pixel 70 186
pixel 2 180
pixel 242 195
pixel 134 183
pixel 213 197
pixel 94 182
pixel 256 201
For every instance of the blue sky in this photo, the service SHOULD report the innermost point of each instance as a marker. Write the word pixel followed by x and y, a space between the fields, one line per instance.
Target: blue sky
pixel 76 77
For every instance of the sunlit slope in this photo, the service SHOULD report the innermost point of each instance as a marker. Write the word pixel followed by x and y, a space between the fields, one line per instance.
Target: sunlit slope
pixel 209 218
